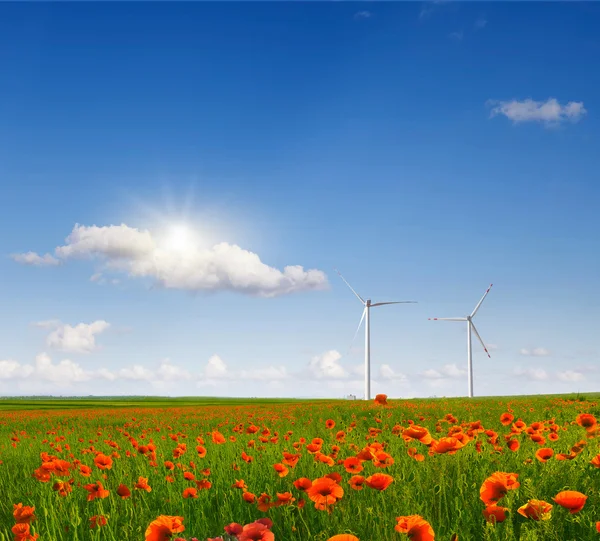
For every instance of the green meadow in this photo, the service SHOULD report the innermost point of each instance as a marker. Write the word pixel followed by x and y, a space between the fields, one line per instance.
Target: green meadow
pixel 49 448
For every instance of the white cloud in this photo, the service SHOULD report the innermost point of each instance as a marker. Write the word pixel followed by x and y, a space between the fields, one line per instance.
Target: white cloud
pixel 216 368
pixel 137 372
pixel 32 258
pixel 170 372
pixel 327 365
pixel 430 373
pixel 104 373
pixel 64 373
pixel 458 36
pixel 113 242
pixel 61 374
pixel 570 375
pixel 271 373
pixel 538 374
pixel 166 372
pixel 46 375
pixel 223 267
pixel 362 15
pixel 536 352
pixel 387 372
pixel 98 278
pixel 14 370
pixel 77 339
pixel 549 112
pixel 451 371
pixel 47 324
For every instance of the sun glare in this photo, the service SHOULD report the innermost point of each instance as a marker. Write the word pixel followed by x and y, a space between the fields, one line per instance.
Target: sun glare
pixel 179 238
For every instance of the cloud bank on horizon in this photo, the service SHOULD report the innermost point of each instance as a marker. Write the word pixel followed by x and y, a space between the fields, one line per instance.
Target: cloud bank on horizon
pixel 324 375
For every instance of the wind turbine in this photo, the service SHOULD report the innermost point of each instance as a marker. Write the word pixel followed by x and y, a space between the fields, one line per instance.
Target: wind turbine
pixel 366 315
pixel 470 326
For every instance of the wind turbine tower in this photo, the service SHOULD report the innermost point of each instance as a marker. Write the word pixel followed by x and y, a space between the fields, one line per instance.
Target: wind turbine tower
pixel 470 327
pixel 366 316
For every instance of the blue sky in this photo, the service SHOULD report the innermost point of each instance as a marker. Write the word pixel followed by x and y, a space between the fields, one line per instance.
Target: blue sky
pixel 425 150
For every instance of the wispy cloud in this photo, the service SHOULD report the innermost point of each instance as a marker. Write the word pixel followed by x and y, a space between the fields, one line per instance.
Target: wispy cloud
pixel 447 371
pixel 457 36
pixel 428 8
pixel 549 112
pixel 387 373
pixel 480 23
pixel 570 375
pixel 217 369
pixel 538 374
pixel 535 352
pixel 363 15
pixel 541 374
pixel 426 11
pixel 36 260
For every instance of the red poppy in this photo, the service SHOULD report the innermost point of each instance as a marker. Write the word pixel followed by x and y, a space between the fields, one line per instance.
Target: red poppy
pixel 123 491
pixel 571 500
pixel 23 514
pixel 325 492
pixel 536 510
pixel 417 528
pixel 163 528
pixel 494 513
pixel 379 481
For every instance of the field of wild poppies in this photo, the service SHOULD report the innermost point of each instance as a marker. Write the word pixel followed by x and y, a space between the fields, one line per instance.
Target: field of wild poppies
pixel 481 469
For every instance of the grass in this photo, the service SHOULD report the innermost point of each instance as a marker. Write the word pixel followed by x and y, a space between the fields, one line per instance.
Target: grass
pixel 59 403
pixel 443 488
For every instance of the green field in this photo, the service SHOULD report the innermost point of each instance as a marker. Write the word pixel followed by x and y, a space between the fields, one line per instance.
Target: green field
pixel 443 488
pixel 28 403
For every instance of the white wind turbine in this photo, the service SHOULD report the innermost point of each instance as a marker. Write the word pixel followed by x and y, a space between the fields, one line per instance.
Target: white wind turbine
pixel 366 316
pixel 470 325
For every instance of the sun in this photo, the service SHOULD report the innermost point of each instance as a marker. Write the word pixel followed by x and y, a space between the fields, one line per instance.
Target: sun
pixel 179 238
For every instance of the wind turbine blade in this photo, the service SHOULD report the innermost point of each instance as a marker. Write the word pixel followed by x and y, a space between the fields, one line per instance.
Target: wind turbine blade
pixel 479 337
pixel 359 326
pixel 393 302
pixel 447 318
pixel 479 303
pixel 351 288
